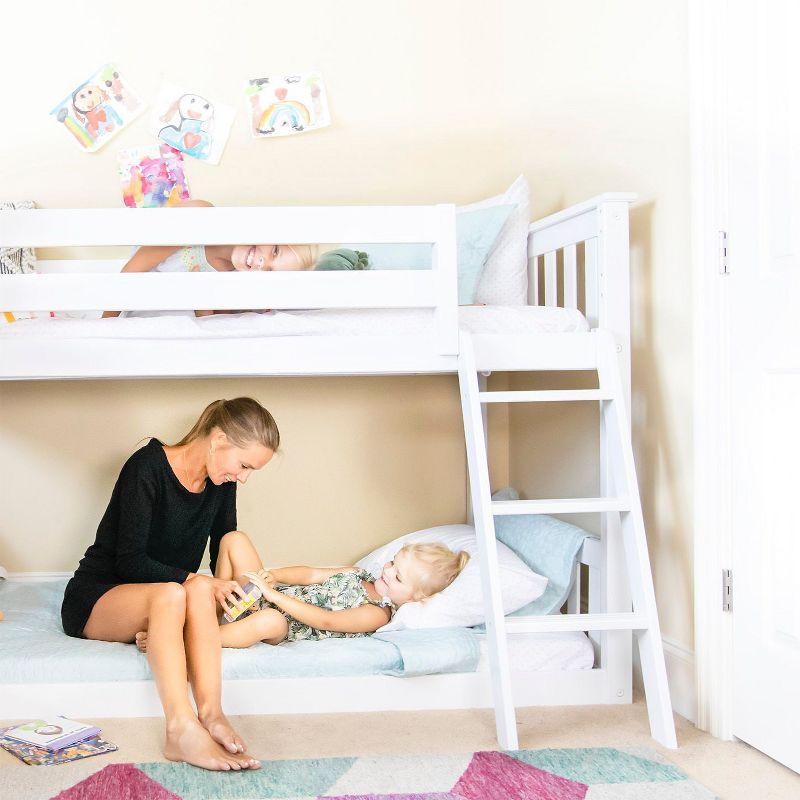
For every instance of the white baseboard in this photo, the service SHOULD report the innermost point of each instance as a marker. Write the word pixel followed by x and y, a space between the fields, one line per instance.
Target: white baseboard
pixel 680 674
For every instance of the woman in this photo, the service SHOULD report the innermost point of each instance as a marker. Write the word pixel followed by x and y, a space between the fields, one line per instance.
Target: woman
pixel 141 571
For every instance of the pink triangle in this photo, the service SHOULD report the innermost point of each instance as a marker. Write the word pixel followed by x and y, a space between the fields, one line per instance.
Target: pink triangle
pixel 117 782
pixel 496 776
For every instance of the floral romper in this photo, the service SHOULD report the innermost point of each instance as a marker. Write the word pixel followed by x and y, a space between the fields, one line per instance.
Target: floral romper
pixel 337 593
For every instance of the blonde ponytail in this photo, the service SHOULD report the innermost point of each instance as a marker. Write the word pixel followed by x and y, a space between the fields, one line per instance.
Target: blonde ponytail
pixel 243 420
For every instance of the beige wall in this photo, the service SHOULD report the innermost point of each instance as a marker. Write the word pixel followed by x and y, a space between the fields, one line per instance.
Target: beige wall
pixel 444 101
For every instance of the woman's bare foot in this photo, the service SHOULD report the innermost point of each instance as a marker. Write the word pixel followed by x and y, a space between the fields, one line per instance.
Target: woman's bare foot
pixel 187 740
pixel 141 641
pixel 221 730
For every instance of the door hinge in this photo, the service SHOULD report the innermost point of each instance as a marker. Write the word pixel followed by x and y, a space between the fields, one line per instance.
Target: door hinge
pixel 727 590
pixel 723 252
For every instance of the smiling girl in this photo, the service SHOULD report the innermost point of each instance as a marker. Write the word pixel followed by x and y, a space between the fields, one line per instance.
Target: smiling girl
pixel 220 257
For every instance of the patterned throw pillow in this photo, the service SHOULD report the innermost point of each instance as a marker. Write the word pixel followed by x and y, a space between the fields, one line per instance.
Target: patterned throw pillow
pixel 17 260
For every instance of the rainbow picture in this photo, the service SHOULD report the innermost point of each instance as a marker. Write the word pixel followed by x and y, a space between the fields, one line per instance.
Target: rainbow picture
pixel 289 114
pixel 285 104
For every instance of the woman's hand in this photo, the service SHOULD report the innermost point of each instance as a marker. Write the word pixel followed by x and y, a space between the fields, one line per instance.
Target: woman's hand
pixel 229 594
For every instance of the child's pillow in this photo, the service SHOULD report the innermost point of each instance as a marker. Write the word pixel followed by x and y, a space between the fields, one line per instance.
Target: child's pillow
pixel 477 230
pixel 504 281
pixel 461 603
pixel 476 234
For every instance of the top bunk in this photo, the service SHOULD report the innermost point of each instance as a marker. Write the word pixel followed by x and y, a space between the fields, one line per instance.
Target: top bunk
pixel 392 321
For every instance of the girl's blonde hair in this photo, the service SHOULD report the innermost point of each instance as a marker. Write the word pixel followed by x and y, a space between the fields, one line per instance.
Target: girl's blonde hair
pixel 307 254
pixel 243 420
pixel 437 566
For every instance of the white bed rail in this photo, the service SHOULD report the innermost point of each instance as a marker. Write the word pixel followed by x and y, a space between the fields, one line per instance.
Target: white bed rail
pixel 435 288
pixel 580 258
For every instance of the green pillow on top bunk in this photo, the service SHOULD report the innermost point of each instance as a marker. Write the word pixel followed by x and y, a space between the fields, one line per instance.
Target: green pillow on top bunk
pixel 476 234
pixel 342 258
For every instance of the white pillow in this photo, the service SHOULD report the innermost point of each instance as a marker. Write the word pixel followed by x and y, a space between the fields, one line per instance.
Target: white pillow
pixel 504 281
pixel 461 603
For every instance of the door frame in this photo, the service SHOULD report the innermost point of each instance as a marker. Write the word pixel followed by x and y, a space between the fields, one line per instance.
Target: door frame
pixel 709 26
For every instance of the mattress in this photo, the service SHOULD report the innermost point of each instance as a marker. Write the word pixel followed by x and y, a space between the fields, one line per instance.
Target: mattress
pixel 34 649
pixel 543 651
pixel 313 322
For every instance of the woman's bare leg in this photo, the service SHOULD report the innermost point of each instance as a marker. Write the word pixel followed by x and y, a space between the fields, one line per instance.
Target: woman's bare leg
pixel 204 657
pixel 236 556
pixel 160 608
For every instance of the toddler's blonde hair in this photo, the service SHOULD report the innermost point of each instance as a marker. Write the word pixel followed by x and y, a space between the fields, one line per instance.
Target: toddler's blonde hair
pixel 437 566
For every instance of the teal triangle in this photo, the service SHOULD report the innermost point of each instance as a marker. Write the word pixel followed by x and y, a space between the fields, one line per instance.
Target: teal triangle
pixel 592 765
pixel 309 777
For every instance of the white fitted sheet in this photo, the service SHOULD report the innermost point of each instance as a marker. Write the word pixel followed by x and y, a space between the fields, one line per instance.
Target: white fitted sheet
pixel 316 322
pixel 541 651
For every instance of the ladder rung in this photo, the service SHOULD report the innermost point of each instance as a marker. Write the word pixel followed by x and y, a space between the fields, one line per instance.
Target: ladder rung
pixel 577 622
pixel 554 396
pixel 577 505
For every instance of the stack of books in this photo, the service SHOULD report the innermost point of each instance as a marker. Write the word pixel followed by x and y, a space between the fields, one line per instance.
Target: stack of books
pixel 53 741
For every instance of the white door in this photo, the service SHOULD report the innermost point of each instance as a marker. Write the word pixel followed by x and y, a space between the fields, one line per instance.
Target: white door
pixel 764 282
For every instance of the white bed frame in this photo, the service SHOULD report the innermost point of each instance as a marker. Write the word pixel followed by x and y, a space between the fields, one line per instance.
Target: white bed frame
pixel 584 245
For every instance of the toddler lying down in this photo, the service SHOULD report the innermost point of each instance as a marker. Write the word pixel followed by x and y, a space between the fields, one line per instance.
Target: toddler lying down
pixel 323 602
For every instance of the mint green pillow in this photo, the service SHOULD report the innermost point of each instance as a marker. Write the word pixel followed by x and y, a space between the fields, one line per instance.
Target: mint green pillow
pixel 476 233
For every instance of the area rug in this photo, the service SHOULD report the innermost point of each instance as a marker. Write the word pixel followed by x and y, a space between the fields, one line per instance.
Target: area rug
pixel 597 773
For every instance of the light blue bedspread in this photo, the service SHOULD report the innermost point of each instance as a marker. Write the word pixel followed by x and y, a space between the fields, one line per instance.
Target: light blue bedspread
pixel 35 649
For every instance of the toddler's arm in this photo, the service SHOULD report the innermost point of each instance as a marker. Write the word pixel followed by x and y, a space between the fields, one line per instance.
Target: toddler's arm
pixel 304 576
pixel 364 619
pixel 143 260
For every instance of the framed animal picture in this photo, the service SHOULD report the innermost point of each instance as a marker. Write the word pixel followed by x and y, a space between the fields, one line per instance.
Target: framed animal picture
pixel 99 108
pixel 192 122
pixel 285 104
pixel 152 176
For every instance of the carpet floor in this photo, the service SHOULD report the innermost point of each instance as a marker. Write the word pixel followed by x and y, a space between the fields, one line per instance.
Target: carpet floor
pixel 730 770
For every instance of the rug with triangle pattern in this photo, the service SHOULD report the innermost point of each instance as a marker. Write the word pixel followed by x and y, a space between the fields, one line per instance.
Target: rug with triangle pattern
pixel 597 773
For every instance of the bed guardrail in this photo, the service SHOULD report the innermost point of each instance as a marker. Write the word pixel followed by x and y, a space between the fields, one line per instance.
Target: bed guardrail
pixel 435 288
pixel 580 258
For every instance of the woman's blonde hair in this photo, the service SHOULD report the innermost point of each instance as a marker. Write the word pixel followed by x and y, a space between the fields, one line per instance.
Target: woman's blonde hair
pixel 437 566
pixel 243 420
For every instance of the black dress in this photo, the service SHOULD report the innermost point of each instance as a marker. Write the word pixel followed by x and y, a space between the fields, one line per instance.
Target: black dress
pixel 154 530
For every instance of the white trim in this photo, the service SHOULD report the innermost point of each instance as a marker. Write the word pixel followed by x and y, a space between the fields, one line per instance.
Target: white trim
pixel 682 682
pixel 680 664
pixel 316 695
pixel 712 460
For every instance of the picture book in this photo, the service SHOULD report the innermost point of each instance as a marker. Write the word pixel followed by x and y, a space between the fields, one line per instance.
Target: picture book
pixel 51 734
pixel 39 756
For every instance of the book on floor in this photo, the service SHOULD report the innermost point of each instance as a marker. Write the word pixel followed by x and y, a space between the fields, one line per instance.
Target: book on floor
pixel 39 756
pixel 52 734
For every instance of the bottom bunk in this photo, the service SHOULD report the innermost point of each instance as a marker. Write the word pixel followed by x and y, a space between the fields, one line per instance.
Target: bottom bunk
pixel 44 671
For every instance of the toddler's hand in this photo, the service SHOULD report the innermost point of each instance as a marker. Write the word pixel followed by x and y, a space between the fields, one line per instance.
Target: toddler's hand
pixel 259 579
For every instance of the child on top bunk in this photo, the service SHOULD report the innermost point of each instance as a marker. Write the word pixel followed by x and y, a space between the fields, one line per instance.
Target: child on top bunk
pixel 324 602
pixel 242 257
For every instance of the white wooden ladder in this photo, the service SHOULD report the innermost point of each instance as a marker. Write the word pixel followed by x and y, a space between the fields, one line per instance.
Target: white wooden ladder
pixel 622 499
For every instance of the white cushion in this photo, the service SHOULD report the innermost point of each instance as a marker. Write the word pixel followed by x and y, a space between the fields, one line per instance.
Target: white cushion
pixel 504 281
pixel 461 603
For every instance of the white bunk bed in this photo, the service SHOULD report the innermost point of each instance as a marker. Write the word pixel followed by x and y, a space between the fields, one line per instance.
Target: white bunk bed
pixel 578 257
